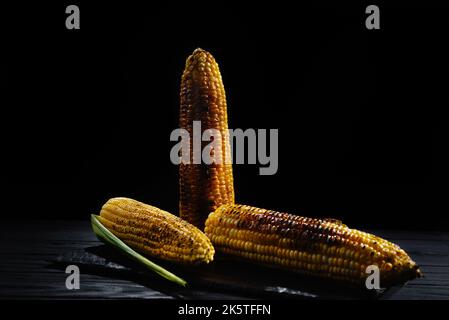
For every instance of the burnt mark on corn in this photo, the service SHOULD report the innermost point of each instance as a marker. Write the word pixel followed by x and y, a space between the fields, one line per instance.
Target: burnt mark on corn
pixel 312 246
pixel 202 98
pixel 155 232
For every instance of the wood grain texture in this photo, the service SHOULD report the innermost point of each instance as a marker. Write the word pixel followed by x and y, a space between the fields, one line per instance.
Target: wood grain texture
pixel 27 272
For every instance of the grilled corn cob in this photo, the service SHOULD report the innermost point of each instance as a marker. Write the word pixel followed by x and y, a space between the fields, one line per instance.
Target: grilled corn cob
pixel 321 247
pixel 203 188
pixel 155 232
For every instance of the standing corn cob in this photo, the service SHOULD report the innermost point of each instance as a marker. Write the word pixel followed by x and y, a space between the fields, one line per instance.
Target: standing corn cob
pixel 324 248
pixel 155 232
pixel 203 188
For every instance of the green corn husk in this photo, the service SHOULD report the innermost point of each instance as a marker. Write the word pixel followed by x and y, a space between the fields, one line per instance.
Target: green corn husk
pixel 109 238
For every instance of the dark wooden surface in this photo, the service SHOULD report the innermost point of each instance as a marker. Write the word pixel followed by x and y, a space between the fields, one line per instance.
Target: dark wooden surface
pixel 27 250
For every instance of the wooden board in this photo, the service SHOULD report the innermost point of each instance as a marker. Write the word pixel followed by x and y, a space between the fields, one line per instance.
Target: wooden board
pixel 35 253
pixel 223 275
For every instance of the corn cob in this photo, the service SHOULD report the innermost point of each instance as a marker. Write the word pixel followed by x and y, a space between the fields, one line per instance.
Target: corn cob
pixel 155 232
pixel 320 247
pixel 203 188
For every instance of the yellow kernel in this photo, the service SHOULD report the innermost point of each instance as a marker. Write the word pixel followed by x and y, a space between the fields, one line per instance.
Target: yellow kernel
pixel 388 266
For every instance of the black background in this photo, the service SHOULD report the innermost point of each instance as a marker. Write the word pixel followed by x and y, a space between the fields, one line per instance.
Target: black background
pixel 87 114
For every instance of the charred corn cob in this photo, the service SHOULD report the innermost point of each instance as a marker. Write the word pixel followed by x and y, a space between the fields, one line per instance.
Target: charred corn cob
pixel 155 232
pixel 321 247
pixel 203 188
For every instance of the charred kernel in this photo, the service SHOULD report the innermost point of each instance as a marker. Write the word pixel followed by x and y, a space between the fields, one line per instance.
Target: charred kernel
pixel 302 249
pixel 155 232
pixel 203 188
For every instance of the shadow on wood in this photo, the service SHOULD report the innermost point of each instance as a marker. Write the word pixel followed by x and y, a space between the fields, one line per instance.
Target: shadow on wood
pixel 223 275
